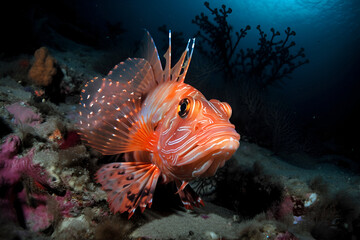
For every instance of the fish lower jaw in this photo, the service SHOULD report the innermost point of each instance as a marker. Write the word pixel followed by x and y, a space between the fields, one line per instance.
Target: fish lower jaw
pixel 216 148
pixel 204 160
pixel 220 134
pixel 222 142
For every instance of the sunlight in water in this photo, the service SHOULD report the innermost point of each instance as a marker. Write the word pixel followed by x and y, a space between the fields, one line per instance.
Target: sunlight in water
pixel 311 2
pixel 316 5
pixel 293 11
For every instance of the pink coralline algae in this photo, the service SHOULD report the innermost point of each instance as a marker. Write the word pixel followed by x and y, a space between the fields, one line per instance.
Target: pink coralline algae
pixel 40 217
pixel 23 114
pixel 37 217
pixel 66 204
pixel 12 167
pixel 286 236
pixel 10 148
pixel 284 209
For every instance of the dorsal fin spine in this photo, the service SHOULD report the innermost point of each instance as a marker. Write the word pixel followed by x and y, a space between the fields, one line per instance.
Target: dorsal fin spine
pixel 169 64
pixel 188 60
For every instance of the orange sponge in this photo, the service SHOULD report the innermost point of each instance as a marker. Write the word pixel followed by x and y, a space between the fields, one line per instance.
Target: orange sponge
pixel 43 69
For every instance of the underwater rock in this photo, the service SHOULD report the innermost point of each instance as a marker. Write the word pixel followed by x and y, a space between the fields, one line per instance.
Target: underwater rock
pixel 11 91
pixel 113 227
pixel 179 224
pixel 261 229
pixel 47 128
pixel 73 228
pixel 286 236
pixel 64 167
pixel 211 235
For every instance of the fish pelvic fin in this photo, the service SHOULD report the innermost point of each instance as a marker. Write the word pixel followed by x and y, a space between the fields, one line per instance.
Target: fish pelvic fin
pixel 128 185
pixel 188 196
pixel 109 113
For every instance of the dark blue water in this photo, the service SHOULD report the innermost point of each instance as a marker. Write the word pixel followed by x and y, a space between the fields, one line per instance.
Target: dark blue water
pixel 324 94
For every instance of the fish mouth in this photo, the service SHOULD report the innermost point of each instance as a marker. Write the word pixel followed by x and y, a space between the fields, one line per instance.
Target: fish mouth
pixel 215 137
pixel 218 133
pixel 213 148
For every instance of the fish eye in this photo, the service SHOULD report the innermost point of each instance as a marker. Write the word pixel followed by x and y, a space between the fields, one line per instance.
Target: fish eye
pixel 184 107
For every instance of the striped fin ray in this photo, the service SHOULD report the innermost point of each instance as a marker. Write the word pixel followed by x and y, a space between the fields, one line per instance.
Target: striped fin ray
pixel 128 185
pixel 110 106
pixel 188 196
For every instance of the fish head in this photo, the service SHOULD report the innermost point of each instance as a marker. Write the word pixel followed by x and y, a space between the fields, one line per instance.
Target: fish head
pixel 197 138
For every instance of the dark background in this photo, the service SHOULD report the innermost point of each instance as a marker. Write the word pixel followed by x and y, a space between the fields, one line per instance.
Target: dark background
pixel 323 94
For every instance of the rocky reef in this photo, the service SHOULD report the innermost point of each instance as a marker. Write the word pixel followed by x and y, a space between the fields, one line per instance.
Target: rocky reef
pixel 47 185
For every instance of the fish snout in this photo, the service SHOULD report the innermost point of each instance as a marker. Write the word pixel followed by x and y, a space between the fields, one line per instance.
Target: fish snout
pixel 223 107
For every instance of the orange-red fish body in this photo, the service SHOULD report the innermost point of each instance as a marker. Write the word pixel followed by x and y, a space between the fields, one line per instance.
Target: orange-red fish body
pixel 164 126
pixel 195 145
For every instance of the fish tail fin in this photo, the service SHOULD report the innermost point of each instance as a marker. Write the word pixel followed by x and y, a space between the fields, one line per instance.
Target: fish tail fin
pixel 128 185
pixel 188 196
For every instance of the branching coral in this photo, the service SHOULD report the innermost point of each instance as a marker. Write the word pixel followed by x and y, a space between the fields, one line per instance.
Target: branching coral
pixel 43 69
pixel 249 72
pixel 265 66
pixel 272 61
pixel 218 35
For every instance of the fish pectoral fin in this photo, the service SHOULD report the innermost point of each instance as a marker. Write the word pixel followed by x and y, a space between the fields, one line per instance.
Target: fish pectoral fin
pixel 128 185
pixel 188 196
pixel 110 107
pixel 142 137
